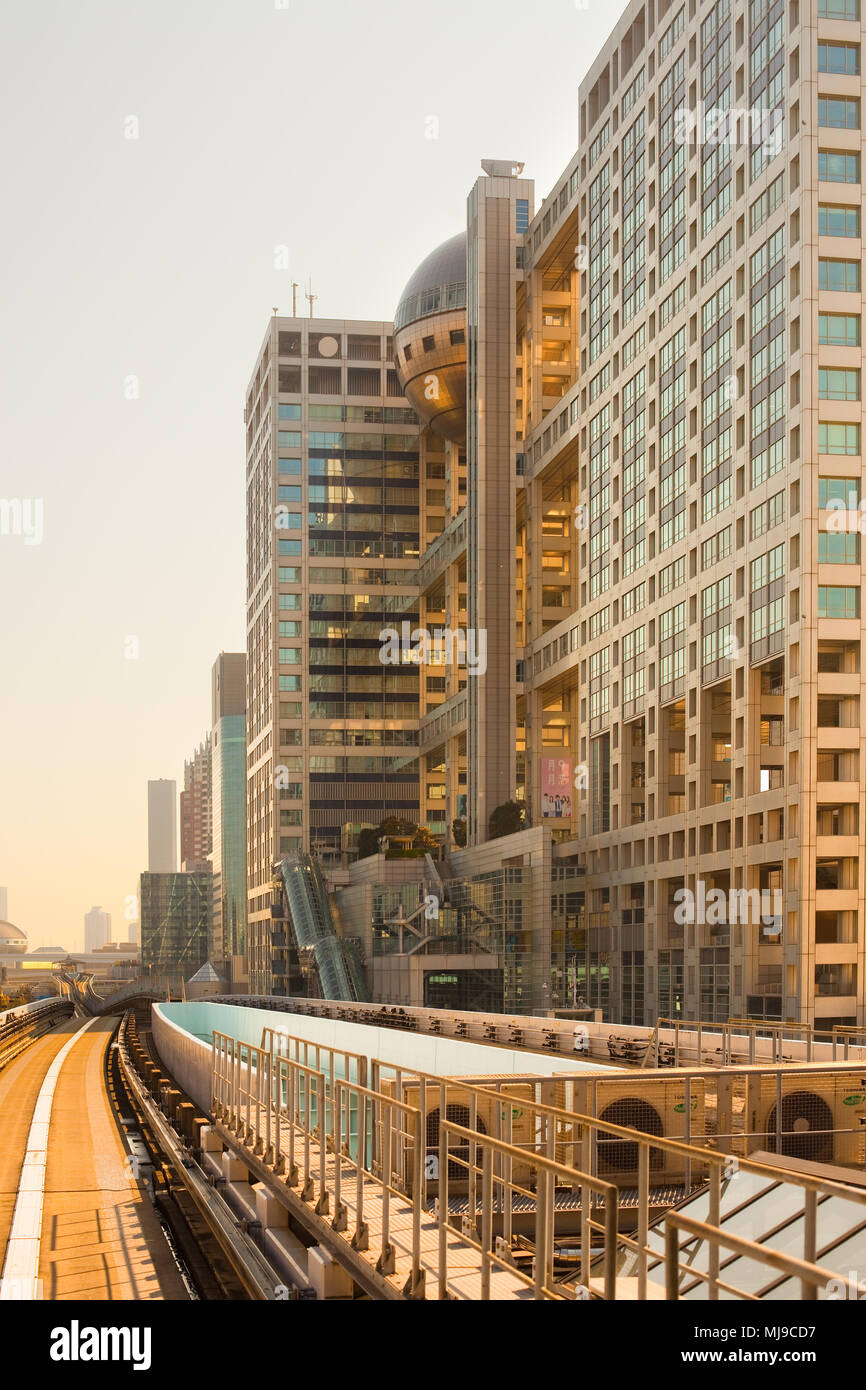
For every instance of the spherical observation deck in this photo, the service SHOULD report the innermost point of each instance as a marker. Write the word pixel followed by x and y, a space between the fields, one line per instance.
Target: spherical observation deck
pixel 430 339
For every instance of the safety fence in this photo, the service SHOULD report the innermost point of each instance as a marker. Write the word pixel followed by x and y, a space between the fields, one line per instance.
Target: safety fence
pixel 516 1187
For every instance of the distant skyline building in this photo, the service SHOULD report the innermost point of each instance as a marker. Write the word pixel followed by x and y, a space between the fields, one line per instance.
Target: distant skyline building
pixel 195 808
pixel 228 813
pixel 175 922
pixel 97 928
pixel 4 907
pixel 132 933
pixel 162 826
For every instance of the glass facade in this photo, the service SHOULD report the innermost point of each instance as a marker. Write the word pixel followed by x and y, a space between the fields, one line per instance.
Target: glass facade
pixel 229 834
pixel 175 922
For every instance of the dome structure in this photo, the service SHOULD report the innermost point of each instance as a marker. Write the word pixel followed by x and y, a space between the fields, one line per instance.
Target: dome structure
pixel 12 938
pixel 430 339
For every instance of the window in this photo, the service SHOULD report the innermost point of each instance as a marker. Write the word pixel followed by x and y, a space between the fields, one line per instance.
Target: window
pixel 458 335
pixel 838 439
pixel 290 412
pixel 838 384
pixel 289 439
pixel 843 276
pixel 767 515
pixel 290 656
pixel 842 58
pixel 290 494
pixel 290 629
pixel 839 113
pixel 839 9
pixel 290 683
pixel 290 548
pixel 288 521
pixel 290 575
pixel 291 468
pixel 838 491
pixel 429 344
pixel 839 330
pixel 838 603
pixel 838 548
pixel 838 221
pixel 717 548
pixel 836 166
pixel 292 602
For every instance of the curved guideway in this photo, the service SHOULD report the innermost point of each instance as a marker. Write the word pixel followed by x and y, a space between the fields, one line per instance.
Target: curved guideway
pixel 99 1236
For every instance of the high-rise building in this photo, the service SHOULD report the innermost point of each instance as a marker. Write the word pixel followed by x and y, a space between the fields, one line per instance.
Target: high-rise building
pixel 132 933
pixel 650 522
pixel 4 906
pixel 335 508
pixel 718 594
pixel 229 819
pixel 195 809
pixel 175 922
pixel 687 409
pixel 97 928
pixel 162 827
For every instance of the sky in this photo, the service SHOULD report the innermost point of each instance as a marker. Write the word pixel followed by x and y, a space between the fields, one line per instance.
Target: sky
pixel 162 165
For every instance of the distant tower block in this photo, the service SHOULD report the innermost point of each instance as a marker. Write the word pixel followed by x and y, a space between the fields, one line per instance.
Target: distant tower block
pixel 97 929
pixel 162 827
pixel 4 907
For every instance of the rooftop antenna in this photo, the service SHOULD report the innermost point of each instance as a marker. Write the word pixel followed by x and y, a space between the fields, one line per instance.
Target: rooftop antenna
pixel 295 288
pixel 311 297
pixel 276 308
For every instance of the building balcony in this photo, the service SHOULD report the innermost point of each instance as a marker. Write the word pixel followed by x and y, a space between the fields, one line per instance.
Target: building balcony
pixel 836 899
pixel 839 682
pixel 835 793
pixel 830 738
pixel 835 1006
pixel 837 846
pixel 836 953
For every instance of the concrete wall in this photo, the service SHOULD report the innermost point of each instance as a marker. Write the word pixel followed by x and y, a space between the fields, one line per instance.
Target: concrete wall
pixel 174 1023
pixel 186 1057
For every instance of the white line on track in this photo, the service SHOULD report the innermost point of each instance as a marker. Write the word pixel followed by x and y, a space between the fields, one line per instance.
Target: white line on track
pixel 20 1280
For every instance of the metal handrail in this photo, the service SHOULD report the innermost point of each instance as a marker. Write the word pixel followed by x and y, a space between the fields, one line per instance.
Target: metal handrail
pixel 811 1275
pixel 260 1093
pixel 547 1169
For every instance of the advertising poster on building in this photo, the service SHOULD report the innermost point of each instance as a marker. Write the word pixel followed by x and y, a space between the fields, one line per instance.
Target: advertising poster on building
pixel 556 788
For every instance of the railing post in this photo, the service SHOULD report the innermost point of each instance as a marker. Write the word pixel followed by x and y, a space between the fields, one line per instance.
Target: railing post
pixel 249 1092
pixel 361 1238
pixel 642 1218
pixel 809 1290
pixel 611 1238
pixel 419 1196
pixel 715 1211
pixel 443 1198
pixel 385 1264
pixel 672 1260
pixel 486 1219
pixel 541 1197
pixel 586 1208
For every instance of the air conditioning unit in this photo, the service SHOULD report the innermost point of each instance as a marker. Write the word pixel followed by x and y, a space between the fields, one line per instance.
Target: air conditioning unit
pixel 823 1117
pixel 655 1107
pixel 491 1117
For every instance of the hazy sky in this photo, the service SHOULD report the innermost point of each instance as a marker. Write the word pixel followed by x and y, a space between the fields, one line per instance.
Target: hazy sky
pixel 259 125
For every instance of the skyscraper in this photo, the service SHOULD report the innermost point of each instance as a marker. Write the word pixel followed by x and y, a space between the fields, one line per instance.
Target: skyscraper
pixel 229 821
pixel 4 906
pixel 333 520
pixel 162 827
pixel 195 808
pixel 97 928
